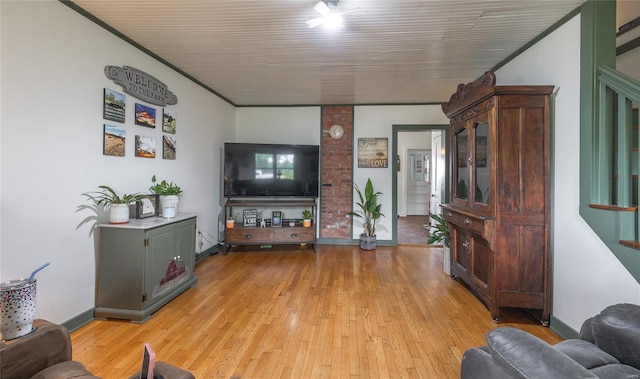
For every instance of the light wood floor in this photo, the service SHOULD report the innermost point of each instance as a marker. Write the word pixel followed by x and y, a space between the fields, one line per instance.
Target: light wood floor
pixel 341 313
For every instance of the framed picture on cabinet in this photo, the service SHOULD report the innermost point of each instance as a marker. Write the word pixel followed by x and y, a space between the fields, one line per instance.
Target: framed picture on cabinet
pixel 147 206
pixel 249 217
pixel 276 218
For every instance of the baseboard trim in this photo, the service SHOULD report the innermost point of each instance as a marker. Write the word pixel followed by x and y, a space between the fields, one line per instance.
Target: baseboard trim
pixel 564 330
pixel 210 251
pixel 79 321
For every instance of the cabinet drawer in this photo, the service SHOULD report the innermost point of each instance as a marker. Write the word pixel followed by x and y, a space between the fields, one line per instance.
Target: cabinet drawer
pixel 450 216
pixel 467 222
pixel 240 235
pixel 470 223
pixel 293 235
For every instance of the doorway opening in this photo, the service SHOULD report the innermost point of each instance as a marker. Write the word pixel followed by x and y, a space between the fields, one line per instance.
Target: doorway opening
pixel 421 181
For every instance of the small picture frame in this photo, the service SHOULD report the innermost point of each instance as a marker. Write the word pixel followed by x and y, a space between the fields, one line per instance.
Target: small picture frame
pixel 276 218
pixel 148 206
pixel 249 217
pixel 114 106
pixel 145 116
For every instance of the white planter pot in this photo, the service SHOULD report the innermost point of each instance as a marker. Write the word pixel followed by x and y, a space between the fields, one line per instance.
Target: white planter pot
pixel 446 260
pixel 169 205
pixel 119 214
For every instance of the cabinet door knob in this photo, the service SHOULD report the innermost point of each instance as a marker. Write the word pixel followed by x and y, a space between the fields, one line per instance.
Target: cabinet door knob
pixel 467 221
pixel 294 235
pixel 465 244
pixel 248 236
pixel 449 214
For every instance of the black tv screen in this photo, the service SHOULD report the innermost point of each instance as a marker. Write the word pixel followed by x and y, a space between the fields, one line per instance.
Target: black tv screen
pixel 272 170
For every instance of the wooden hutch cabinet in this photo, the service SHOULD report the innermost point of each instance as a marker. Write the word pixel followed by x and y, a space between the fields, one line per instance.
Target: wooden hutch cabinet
pixel 499 213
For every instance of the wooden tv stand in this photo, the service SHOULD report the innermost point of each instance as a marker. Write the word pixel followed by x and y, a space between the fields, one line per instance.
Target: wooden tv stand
pixel 270 235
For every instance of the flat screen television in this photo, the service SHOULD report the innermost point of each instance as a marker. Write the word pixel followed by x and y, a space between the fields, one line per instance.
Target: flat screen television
pixel 271 170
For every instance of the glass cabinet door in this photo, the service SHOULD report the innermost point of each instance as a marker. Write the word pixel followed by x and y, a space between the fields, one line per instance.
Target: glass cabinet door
pixel 481 163
pixel 462 171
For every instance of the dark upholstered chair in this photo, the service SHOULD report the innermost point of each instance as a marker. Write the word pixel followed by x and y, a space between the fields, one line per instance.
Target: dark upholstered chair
pixel 608 348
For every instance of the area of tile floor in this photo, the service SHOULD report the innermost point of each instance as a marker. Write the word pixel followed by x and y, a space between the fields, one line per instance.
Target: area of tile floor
pixel 411 230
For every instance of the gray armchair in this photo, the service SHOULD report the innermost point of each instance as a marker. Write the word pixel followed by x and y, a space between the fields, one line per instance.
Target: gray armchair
pixel 608 347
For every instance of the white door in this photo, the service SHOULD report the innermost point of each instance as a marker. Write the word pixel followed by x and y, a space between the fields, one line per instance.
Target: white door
pixel 418 182
pixel 437 173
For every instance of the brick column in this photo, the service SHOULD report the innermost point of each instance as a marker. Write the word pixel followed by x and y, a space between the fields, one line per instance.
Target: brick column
pixel 337 173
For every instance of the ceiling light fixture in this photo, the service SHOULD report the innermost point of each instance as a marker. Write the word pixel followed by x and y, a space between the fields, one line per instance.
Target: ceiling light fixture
pixel 330 17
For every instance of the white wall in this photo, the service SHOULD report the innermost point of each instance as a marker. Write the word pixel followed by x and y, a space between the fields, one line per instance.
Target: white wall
pixel 377 122
pixel 295 125
pixel 52 81
pixel 586 276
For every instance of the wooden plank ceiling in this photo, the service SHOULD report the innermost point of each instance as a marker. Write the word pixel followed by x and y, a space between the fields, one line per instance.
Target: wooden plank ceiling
pixel 261 52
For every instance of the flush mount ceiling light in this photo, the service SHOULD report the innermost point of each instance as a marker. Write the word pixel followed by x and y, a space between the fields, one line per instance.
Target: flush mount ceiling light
pixel 330 15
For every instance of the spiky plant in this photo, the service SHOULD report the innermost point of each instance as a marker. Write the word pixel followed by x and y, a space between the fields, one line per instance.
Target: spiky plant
pixel 439 232
pixel 369 211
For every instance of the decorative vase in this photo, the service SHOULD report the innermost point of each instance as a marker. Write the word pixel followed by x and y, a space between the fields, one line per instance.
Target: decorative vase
pixel 446 259
pixel 368 242
pixel 119 213
pixel 169 204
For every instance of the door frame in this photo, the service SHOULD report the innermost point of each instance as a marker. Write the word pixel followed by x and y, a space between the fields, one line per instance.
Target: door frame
pixel 394 177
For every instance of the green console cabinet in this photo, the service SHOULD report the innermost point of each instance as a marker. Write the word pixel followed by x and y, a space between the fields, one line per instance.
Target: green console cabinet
pixel 143 265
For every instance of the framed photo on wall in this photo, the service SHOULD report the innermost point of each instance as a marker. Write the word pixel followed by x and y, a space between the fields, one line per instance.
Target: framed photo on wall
pixel 373 152
pixel 168 147
pixel 114 106
pixel 145 116
pixel 145 147
pixel 113 140
pixel 169 121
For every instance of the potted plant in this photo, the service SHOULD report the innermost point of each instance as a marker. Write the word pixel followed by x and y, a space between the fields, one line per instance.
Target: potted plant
pixel 439 233
pixel 369 213
pixel 118 205
pixel 307 216
pixel 169 193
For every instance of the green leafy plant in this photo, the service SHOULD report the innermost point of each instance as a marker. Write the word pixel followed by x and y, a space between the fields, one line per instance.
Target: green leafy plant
pixel 439 232
pixel 164 188
pixel 307 214
pixel 369 211
pixel 108 196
